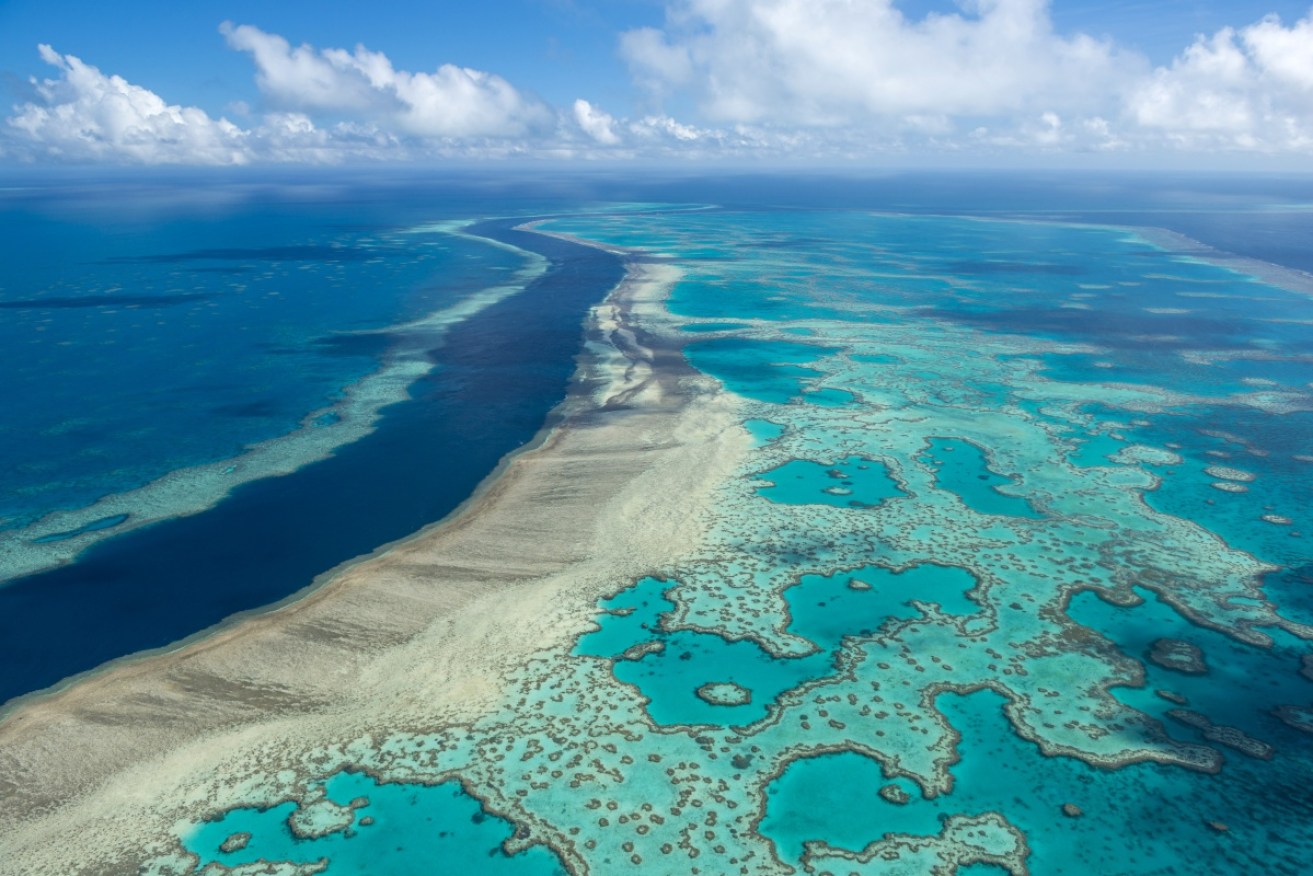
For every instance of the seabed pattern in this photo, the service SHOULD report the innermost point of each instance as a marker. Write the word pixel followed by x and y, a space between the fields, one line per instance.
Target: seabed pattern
pixel 949 615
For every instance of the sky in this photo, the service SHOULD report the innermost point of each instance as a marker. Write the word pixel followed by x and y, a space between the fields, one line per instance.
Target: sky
pixel 868 82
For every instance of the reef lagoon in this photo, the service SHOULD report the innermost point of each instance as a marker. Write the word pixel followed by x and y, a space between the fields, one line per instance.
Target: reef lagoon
pixel 913 526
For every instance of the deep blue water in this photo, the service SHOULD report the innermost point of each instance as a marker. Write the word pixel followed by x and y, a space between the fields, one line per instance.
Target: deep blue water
pixel 499 374
pixel 133 346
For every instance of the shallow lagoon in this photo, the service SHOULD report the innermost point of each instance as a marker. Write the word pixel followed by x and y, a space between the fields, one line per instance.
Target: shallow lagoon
pixel 961 467
pixel 975 645
pixel 855 482
pixel 357 822
pixel 1109 309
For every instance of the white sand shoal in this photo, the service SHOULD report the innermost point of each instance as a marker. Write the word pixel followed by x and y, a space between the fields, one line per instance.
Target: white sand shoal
pixel 95 777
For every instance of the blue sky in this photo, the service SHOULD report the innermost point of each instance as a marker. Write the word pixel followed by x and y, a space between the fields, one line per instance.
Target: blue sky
pixel 556 47
pixel 806 80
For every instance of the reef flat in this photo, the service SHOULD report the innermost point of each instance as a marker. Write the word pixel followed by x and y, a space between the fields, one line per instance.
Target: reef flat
pixel 865 544
pixel 421 637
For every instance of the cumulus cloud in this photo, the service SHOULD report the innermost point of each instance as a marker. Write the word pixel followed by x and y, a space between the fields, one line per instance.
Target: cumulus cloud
pixel 1284 55
pixel 772 79
pixel 830 62
pixel 453 102
pixel 1250 89
pixel 665 127
pixel 325 106
pixel 996 70
pixel 595 123
pixel 87 115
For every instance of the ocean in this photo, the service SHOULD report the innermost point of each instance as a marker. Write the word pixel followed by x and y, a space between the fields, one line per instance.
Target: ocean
pixel 1059 450
pixel 1014 577
pixel 265 383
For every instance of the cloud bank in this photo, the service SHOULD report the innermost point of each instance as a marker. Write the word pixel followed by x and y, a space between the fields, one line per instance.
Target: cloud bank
pixel 770 79
pixel 453 102
pixel 995 72
pixel 828 62
pixel 85 114
pixel 1249 90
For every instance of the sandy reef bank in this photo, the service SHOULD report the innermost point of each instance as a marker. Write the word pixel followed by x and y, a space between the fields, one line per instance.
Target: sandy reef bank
pixel 95 777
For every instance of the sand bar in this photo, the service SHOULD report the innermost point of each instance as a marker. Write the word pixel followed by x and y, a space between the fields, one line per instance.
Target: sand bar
pixel 95 777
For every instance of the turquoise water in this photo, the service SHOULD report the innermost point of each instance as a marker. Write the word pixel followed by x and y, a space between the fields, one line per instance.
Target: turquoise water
pixel 773 372
pixel 1261 446
pixel 826 608
pixel 671 677
pixel 1139 819
pixel 981 488
pixel 960 467
pixel 417 829
pixel 633 616
pixel 763 431
pixel 708 327
pixel 1096 449
pixel 829 398
pixel 1242 686
pixel 1074 397
pixel 854 482
pixel 823 609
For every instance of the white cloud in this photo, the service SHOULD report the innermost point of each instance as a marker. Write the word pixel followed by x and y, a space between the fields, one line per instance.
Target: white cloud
pixel 1205 89
pixel 752 79
pixel 293 137
pixel 662 126
pixel 453 102
pixel 655 59
pixel 1283 54
pixel 86 115
pixel 1249 90
pixel 595 123
pixel 832 62
pixel 329 106
pixel 996 69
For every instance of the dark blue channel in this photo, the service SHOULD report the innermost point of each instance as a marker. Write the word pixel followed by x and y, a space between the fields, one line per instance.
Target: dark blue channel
pixel 499 374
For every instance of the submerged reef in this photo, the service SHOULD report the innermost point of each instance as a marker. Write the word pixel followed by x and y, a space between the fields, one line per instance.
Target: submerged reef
pixel 914 617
